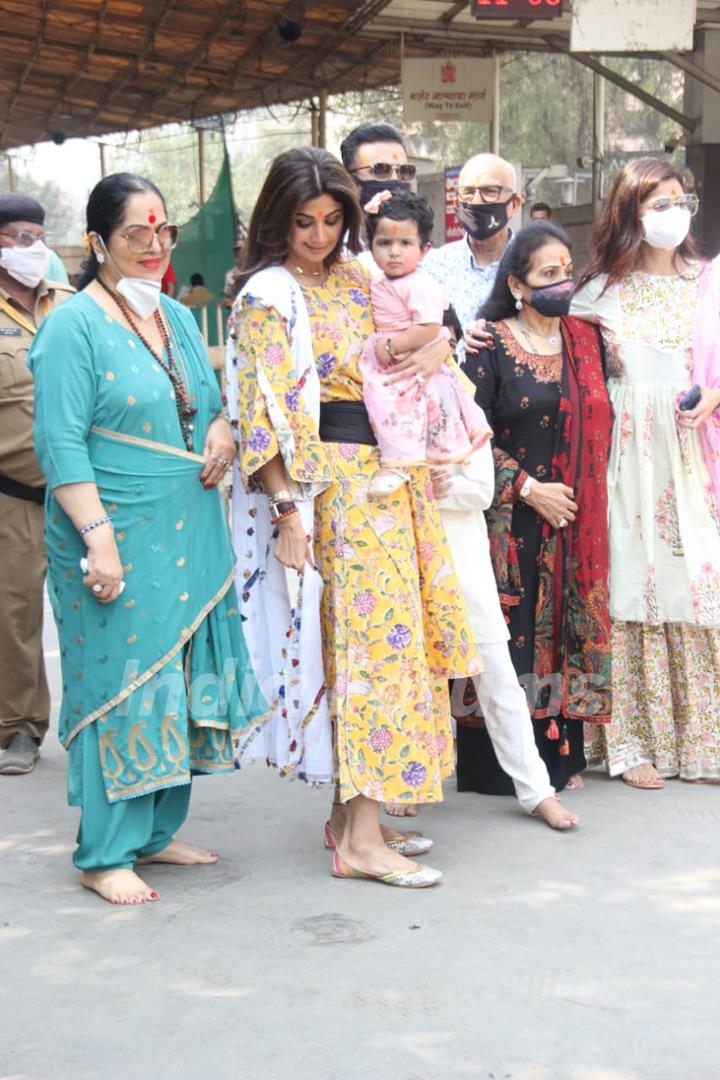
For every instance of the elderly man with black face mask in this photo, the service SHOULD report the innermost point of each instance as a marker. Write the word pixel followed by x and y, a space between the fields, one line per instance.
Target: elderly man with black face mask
pixel 26 297
pixel 486 200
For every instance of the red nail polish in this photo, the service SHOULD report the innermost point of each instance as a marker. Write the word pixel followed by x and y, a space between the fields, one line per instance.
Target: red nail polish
pixel 154 896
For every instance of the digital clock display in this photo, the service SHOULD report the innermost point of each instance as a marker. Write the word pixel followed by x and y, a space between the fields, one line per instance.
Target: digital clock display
pixel 516 9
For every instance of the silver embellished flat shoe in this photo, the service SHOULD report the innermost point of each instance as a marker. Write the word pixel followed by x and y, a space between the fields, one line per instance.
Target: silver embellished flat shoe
pixel 422 878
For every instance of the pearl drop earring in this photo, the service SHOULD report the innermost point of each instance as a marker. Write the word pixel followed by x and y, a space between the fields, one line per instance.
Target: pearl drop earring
pixel 518 303
pixel 99 256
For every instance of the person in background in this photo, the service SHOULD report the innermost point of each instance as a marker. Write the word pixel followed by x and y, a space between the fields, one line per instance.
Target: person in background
pixel 486 200
pixel 657 306
pixel 26 298
pixel 375 155
pixel 543 390
pixel 540 211
pixel 56 269
pixel 231 284
pixel 130 432
pixel 168 284
pixel 197 293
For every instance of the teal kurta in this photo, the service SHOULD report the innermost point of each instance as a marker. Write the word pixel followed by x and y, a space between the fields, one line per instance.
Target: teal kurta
pixel 163 671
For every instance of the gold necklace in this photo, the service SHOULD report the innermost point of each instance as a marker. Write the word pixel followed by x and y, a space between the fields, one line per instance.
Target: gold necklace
pixel 310 273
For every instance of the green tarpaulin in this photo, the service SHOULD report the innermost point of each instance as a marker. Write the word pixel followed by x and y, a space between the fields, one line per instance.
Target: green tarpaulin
pixel 206 244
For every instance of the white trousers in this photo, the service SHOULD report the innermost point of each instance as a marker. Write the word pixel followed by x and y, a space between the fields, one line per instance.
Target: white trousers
pixel 507 719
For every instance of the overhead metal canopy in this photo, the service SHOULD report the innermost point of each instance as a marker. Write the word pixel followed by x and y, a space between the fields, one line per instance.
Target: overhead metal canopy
pixel 89 67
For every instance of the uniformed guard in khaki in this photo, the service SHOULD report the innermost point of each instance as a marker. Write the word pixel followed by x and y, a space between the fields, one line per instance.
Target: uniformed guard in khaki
pixel 24 697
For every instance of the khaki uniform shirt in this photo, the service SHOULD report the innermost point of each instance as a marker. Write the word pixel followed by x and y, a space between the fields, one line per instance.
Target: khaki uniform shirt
pixel 17 454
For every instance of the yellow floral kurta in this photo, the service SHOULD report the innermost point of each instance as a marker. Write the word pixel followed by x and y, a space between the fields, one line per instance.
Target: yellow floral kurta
pixel 393 620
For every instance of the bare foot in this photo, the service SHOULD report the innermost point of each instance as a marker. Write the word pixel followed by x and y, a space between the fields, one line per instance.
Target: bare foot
pixel 118 886
pixel 181 855
pixel 575 783
pixel 644 776
pixel 555 814
pixel 398 809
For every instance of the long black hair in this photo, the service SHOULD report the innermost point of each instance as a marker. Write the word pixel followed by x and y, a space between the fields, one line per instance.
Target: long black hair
pixel 295 177
pixel 105 211
pixel 500 304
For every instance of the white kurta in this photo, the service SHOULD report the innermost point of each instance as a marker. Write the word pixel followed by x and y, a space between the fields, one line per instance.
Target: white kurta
pixel 663 521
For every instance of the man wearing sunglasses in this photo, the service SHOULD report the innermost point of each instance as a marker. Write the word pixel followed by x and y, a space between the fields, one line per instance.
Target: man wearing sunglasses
pixel 376 157
pixel 26 298
pixel 486 201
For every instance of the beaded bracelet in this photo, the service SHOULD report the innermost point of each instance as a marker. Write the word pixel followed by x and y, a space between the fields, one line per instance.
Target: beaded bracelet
pixel 94 525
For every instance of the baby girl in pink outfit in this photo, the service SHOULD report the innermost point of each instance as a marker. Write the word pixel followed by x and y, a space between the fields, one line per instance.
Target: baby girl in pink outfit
pixel 436 421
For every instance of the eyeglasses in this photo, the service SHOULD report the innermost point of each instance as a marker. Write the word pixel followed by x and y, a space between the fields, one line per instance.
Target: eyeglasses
pixel 489 193
pixel 685 202
pixel 26 239
pixel 140 237
pixel 383 170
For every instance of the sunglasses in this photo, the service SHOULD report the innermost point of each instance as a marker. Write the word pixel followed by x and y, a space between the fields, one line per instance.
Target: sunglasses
pixel 685 202
pixel 140 237
pixel 383 170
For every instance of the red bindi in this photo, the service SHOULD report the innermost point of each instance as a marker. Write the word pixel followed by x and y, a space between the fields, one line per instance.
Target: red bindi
pixel 151 217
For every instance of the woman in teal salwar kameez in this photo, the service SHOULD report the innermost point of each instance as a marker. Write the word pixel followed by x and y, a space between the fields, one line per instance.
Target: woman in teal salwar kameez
pixel 128 430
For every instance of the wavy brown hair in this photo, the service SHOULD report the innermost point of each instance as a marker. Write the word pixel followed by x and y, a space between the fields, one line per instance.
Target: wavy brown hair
pixel 295 177
pixel 618 234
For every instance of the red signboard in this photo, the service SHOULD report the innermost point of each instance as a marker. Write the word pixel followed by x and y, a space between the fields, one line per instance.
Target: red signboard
pixel 516 9
pixel 453 228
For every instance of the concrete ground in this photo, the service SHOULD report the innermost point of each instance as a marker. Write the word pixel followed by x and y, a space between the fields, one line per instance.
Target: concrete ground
pixel 585 956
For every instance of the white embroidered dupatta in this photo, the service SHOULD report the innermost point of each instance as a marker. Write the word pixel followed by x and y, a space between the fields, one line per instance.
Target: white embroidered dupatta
pixel 280 608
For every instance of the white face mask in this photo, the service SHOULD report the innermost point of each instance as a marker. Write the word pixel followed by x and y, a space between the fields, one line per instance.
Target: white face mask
pixel 27 265
pixel 666 229
pixel 142 295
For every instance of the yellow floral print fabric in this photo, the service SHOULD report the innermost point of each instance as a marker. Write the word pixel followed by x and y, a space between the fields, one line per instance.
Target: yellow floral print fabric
pixel 393 620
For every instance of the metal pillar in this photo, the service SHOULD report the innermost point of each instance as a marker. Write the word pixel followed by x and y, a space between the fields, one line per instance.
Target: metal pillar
pixel 495 122
pixel 598 149
pixel 703 143
pixel 11 174
pixel 322 119
pixel 201 163
pixel 314 125
pixel 103 160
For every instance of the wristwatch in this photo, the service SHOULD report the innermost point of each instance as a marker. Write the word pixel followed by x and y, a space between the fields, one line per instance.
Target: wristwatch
pixel 280 510
pixel 526 488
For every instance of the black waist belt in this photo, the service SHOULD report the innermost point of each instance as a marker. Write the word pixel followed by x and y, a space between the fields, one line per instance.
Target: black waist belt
pixel 21 491
pixel 346 421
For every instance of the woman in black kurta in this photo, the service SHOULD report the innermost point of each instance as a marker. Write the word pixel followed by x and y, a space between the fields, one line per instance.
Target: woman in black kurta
pixel 541 385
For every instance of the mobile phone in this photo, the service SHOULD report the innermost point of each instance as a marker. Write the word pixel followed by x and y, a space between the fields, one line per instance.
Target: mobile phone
pixel 690 398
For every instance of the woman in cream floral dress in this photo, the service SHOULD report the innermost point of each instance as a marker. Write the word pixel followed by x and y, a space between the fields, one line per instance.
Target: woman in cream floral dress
pixel 391 625
pixel 644 287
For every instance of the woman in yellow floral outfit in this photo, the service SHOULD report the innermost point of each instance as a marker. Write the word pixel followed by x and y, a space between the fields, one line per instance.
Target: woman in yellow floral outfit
pixel 391 626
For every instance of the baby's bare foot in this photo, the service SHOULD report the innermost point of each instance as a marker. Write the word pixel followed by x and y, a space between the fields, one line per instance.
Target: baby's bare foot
pixel 118 886
pixel 181 855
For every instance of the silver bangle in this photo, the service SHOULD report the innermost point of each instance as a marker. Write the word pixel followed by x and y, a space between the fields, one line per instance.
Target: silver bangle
pixel 280 496
pixel 94 524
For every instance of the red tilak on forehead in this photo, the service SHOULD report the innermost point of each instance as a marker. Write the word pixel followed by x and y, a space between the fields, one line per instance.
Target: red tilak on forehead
pixel 151 217
pixel 394 228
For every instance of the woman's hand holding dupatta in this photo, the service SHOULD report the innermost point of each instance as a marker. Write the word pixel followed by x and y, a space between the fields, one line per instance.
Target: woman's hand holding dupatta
pixel 694 418
pixel 553 502
pixel 291 547
pixel 219 451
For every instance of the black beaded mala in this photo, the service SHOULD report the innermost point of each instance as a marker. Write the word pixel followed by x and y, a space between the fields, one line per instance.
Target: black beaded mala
pixel 185 410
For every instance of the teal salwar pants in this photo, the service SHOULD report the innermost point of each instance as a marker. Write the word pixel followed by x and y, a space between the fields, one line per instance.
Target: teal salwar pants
pixel 114 835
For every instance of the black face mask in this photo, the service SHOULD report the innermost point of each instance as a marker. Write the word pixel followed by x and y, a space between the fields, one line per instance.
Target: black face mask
pixel 369 188
pixel 553 300
pixel 482 220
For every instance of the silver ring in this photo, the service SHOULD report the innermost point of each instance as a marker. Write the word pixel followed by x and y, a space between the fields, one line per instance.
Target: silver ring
pixel 562 523
pixel 97 587
pixel 420 379
pixel 223 462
